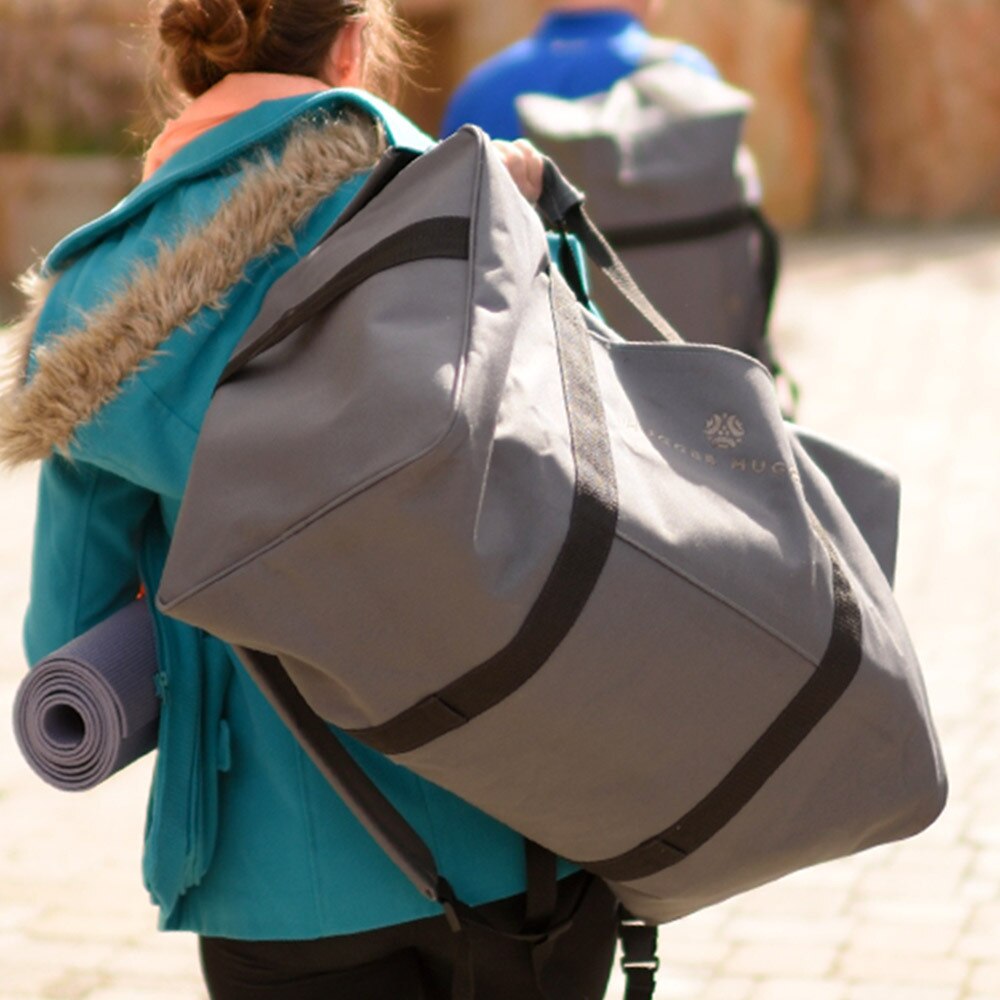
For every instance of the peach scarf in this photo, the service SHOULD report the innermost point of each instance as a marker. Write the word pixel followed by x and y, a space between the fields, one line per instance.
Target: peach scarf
pixel 232 95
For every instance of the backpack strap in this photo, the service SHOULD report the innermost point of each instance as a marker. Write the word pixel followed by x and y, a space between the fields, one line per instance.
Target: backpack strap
pixel 402 843
pixel 541 899
pixel 640 962
pixel 372 809
pixel 542 888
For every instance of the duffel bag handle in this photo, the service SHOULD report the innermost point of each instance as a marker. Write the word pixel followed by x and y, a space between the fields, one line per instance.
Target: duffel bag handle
pixel 561 205
pixel 559 197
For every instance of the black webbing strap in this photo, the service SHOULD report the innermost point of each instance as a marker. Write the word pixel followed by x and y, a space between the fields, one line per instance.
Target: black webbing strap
pixel 640 962
pixel 540 903
pixel 561 205
pixel 815 698
pixel 372 809
pixel 571 270
pixel 768 271
pixel 708 227
pixel 770 260
pixel 542 888
pixel 578 224
pixel 440 237
pixel 575 570
pixel 400 841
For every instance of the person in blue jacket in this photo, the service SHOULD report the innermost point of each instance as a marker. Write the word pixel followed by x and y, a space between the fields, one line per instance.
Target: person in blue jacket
pixel 132 319
pixel 580 47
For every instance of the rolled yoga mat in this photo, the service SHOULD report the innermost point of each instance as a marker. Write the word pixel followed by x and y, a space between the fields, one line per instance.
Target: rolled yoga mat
pixel 90 708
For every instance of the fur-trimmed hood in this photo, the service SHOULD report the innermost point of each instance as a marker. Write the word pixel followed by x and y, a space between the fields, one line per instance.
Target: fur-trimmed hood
pixel 50 391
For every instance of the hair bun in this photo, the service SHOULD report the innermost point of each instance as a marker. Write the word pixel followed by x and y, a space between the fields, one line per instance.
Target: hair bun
pixel 210 38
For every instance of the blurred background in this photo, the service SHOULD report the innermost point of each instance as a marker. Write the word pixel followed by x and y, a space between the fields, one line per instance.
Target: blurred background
pixel 867 110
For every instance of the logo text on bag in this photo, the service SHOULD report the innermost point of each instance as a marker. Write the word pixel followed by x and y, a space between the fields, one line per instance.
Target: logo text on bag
pixel 725 432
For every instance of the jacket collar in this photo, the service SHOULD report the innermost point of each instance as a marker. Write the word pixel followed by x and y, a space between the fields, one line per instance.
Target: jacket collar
pixel 265 124
pixel 78 371
pixel 233 95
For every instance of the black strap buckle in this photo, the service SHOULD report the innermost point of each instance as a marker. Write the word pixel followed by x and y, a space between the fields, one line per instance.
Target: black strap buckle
pixel 629 965
pixel 639 961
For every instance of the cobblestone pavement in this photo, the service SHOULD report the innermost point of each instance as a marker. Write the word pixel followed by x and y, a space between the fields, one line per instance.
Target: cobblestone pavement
pixel 895 339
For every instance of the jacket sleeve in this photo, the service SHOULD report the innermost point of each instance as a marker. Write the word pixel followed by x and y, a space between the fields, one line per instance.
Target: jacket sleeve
pixel 84 561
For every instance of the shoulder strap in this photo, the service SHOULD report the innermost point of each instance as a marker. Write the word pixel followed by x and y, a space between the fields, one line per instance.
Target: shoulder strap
pixel 372 809
pixel 562 207
pixel 640 962
pixel 399 840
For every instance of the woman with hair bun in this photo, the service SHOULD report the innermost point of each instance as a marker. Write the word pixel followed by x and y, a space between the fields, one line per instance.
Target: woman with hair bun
pixel 131 321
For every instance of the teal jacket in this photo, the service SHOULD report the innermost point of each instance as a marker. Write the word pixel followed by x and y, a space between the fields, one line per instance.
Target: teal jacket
pixel 133 319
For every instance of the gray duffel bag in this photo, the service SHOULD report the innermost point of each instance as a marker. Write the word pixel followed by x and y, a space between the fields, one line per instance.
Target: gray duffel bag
pixel 597 588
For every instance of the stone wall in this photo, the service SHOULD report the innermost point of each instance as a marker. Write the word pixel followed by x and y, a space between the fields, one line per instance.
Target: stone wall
pixel 925 76
pixel 72 108
pixel 886 109
pixel 883 109
pixel 74 76
pixel 42 198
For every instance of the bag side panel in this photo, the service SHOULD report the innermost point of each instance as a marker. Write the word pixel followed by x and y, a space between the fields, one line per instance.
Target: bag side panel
pixel 282 413
pixel 431 570
pixel 404 555
pixel 639 714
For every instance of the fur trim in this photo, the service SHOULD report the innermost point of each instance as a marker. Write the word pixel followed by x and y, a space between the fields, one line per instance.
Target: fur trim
pixel 81 371
pixel 17 353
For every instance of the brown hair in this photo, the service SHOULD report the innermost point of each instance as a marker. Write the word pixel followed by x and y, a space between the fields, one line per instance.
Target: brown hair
pixel 203 40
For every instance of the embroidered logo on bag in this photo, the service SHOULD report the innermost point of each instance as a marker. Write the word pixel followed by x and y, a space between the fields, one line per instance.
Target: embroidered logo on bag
pixel 724 431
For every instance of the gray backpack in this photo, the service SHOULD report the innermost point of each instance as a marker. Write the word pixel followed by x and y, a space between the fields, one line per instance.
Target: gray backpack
pixel 676 193
pixel 598 588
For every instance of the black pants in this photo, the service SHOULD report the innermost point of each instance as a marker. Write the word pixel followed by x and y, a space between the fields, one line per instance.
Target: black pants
pixel 415 961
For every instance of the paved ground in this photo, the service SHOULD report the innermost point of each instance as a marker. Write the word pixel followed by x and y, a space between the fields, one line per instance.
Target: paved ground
pixel 896 341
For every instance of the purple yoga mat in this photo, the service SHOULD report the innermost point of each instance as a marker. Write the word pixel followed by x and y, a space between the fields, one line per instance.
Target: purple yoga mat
pixel 91 707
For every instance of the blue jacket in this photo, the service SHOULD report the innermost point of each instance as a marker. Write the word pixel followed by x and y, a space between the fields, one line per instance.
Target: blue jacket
pixel 571 54
pixel 134 317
